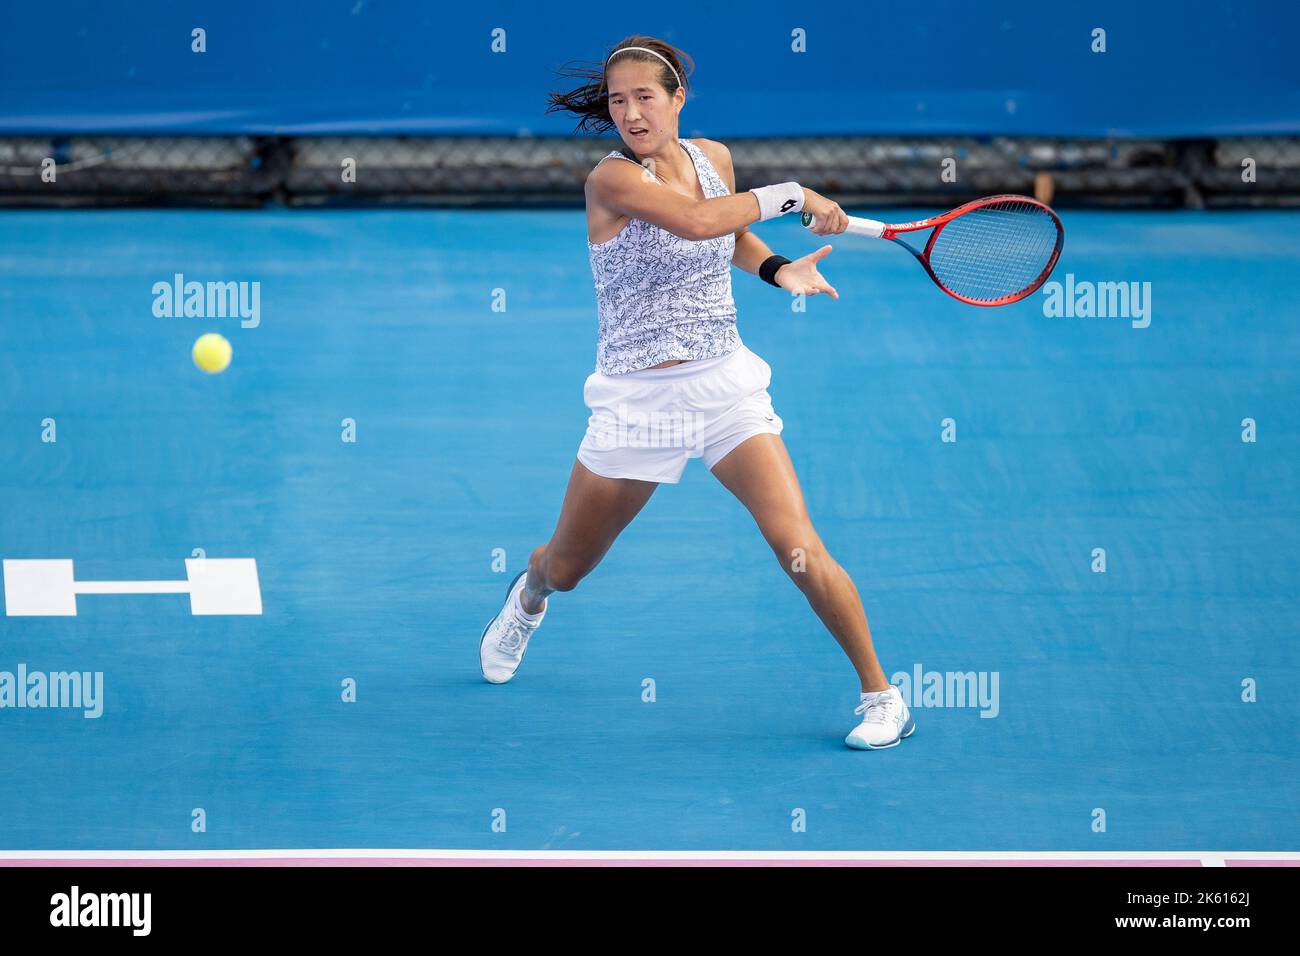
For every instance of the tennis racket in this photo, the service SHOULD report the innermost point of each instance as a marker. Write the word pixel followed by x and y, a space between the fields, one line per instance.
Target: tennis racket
pixel 992 251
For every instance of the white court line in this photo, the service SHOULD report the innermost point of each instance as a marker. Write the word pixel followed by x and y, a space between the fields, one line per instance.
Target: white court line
pixel 131 587
pixel 47 587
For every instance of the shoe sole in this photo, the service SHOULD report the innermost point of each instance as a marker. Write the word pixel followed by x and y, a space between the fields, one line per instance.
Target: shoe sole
pixel 908 730
pixel 509 588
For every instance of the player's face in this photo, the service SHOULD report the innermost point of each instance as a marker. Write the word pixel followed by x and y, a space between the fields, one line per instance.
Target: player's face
pixel 646 116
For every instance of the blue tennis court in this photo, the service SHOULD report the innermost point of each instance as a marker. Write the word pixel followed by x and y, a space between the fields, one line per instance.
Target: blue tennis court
pixel 394 436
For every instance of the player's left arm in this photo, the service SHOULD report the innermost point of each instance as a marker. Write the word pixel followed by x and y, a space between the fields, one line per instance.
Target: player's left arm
pixel 801 275
pixel 751 251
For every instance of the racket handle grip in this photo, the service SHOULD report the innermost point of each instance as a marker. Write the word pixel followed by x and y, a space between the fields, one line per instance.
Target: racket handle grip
pixel 858 226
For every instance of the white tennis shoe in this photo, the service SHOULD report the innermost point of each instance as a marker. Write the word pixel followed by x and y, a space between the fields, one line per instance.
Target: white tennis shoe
pixel 886 721
pixel 501 648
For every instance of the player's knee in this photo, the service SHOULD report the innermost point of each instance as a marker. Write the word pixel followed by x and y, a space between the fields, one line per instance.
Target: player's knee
pixel 803 558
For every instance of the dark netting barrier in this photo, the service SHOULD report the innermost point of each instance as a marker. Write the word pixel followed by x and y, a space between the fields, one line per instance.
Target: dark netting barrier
pixel 1255 171
pixel 119 170
pixel 450 170
pixel 486 170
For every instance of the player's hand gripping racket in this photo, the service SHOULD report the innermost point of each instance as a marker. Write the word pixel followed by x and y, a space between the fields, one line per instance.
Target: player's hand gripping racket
pixel 992 251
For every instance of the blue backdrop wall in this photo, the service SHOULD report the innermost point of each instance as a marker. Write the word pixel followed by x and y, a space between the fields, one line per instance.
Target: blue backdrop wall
pixel 365 66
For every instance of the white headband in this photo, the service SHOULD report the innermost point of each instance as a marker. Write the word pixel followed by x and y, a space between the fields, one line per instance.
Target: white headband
pixel 644 50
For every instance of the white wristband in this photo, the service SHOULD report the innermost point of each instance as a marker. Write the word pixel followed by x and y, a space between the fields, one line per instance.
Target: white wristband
pixel 778 200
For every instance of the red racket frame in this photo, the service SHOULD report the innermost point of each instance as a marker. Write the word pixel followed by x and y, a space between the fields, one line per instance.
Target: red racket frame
pixel 938 222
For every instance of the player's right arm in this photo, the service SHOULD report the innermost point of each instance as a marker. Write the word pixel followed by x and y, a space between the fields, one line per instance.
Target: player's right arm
pixel 626 190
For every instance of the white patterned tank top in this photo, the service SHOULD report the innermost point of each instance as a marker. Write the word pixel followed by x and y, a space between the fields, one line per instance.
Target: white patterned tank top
pixel 661 297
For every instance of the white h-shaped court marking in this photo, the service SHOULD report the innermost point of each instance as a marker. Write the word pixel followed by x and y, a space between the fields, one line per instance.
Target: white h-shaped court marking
pixel 47 588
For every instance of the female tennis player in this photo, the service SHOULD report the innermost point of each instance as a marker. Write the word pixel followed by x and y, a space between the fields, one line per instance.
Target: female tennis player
pixel 673 380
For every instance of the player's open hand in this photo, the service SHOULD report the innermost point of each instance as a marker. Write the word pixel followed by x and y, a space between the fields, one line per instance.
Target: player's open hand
pixel 801 277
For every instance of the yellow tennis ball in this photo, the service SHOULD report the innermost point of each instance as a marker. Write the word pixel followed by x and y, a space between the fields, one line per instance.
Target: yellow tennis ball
pixel 212 353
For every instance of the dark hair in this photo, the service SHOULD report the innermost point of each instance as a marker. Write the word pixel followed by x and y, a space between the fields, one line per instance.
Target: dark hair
pixel 591 100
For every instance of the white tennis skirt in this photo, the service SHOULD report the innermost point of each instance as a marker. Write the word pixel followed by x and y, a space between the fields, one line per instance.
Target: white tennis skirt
pixel 646 424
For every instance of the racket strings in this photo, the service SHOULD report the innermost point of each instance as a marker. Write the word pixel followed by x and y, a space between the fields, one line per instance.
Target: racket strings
pixel 995 251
